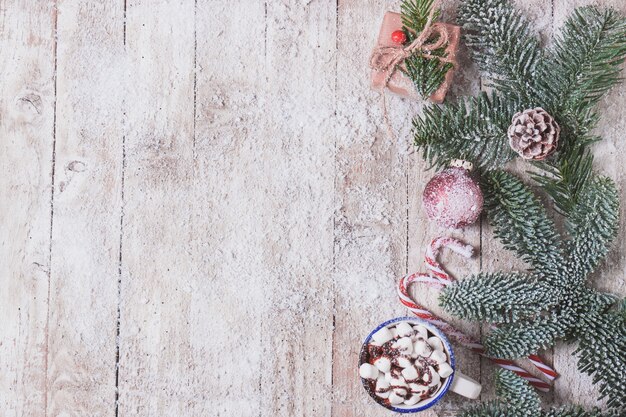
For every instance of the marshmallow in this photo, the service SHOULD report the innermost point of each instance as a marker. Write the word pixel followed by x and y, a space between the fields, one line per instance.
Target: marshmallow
pixel 403 362
pixel 394 332
pixel 413 399
pixel 383 364
pixel 410 373
pixel 368 371
pixel 418 389
pixel 444 370
pixel 404 329
pixel 388 376
pixel 439 356
pixel 401 391
pixel 382 387
pixel 382 384
pixel 382 336
pixel 435 378
pixel 404 345
pixel 435 343
pixel 398 382
pixel 384 395
pixel 422 348
pixel 395 399
pixel 421 331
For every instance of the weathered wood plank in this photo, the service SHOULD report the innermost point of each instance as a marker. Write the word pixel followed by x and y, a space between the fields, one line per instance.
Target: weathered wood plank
pixel 371 207
pixel 26 151
pixel 256 217
pixel 298 156
pixel 157 374
pixel 297 207
pixel 422 231
pixel 231 247
pixel 87 208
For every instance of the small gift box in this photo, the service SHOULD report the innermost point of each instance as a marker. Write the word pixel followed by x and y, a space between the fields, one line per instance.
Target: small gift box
pixel 399 83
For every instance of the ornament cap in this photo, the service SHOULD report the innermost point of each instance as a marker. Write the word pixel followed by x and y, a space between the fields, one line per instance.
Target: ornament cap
pixel 460 163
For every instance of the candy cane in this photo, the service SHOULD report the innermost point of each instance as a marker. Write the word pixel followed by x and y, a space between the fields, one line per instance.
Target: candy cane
pixel 468 251
pixel 439 279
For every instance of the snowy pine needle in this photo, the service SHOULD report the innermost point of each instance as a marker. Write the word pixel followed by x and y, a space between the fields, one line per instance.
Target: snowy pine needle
pixel 553 299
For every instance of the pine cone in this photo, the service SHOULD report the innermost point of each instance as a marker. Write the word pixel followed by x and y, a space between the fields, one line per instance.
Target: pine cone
pixel 534 134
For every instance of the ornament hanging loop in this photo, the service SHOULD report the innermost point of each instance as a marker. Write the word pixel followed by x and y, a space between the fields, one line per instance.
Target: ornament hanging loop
pixel 460 163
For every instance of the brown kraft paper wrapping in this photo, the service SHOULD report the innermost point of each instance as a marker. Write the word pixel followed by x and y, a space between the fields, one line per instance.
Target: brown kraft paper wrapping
pixel 399 83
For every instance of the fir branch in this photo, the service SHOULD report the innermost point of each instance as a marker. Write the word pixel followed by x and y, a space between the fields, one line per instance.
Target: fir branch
pixel 473 129
pixel 516 392
pixel 501 42
pixel 602 354
pixel 427 74
pixel 494 298
pixel 527 337
pixel 415 14
pixel 593 225
pixel 589 53
pixel 521 223
pixel 564 179
pixel 516 398
pixel 572 412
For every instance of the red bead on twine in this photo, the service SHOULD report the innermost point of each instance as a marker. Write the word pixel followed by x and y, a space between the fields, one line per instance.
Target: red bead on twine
pixel 399 37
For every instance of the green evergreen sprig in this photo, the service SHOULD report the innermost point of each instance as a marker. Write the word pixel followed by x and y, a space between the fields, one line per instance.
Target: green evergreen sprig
pixel 502 44
pixel 487 290
pixel 516 398
pixel 567 80
pixel 554 301
pixel 415 14
pixel 473 129
pixel 588 53
pixel 427 74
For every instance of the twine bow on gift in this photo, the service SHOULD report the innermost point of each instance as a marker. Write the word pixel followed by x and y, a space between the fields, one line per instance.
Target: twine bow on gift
pixel 389 58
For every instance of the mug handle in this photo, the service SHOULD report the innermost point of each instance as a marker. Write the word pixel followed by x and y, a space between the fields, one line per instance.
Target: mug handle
pixel 465 386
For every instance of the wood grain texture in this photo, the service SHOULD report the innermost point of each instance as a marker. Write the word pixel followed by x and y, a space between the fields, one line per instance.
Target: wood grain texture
pixel 422 232
pixel 297 174
pixel 26 151
pixel 370 218
pixel 226 211
pixel 87 209
pixel 156 375
pixel 229 182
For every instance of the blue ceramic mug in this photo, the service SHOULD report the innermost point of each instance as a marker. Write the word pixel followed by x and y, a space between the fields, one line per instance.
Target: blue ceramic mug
pixel 456 382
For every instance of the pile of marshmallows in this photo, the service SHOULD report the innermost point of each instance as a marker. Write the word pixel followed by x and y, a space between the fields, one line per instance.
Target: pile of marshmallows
pixel 404 364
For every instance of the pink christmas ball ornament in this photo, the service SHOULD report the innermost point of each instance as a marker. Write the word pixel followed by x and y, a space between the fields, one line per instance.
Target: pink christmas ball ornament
pixel 453 199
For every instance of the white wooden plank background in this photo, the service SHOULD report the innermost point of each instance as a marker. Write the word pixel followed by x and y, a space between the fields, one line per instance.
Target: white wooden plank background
pixel 203 216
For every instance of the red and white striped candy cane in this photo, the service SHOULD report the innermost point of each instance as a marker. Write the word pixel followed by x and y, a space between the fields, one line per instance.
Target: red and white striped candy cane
pixel 439 279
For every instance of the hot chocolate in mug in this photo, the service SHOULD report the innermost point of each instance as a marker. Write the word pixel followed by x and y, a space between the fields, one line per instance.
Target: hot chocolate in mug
pixel 407 365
